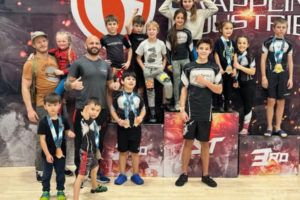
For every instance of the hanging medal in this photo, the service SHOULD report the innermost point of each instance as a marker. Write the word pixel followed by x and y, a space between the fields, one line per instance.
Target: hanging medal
pixel 228 55
pixel 57 140
pixel 129 105
pixel 97 136
pixel 278 56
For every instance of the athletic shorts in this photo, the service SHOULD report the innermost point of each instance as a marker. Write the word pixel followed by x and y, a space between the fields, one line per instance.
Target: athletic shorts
pixel 88 161
pixel 277 85
pixel 199 130
pixel 129 139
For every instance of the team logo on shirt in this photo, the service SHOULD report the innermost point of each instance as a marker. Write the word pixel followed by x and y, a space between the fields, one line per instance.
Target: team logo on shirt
pixel 90 14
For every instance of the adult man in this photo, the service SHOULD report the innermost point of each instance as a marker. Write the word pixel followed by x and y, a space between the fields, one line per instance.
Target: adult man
pixel 91 76
pixel 39 74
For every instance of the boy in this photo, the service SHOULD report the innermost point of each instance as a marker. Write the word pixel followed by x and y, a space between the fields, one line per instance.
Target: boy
pixel 154 51
pixel 277 74
pixel 51 130
pixel 128 110
pixel 200 79
pixel 89 151
pixel 136 37
pixel 113 43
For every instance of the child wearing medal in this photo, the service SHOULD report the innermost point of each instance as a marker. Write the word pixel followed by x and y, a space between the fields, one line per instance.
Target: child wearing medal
pixel 245 65
pixel 224 50
pixel 277 74
pixel 51 130
pixel 128 110
pixel 89 149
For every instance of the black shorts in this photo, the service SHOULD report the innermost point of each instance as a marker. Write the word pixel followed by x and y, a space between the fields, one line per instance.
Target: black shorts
pixel 199 130
pixel 129 139
pixel 88 161
pixel 277 85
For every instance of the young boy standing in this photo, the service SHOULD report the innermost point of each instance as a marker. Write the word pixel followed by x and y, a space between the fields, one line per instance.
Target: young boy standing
pixel 89 151
pixel 128 110
pixel 113 43
pixel 51 130
pixel 200 79
pixel 136 37
pixel 277 74
pixel 154 52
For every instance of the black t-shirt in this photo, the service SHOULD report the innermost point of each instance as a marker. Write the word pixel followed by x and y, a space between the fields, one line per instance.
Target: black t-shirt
pixel 114 48
pixel 184 46
pixel 136 39
pixel 199 98
pixel 44 129
pixel 268 48
pixel 118 106
pixel 219 48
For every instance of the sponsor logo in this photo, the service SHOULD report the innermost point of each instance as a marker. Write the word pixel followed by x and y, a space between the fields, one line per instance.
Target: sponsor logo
pixel 264 156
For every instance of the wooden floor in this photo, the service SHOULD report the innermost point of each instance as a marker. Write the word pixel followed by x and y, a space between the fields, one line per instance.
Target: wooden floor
pixel 18 183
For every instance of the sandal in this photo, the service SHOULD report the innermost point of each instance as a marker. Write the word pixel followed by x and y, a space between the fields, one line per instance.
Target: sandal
pixel 268 133
pixel 282 133
pixel 244 132
pixel 100 188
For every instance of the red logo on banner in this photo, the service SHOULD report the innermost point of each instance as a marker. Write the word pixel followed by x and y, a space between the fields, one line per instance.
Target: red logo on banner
pixel 90 14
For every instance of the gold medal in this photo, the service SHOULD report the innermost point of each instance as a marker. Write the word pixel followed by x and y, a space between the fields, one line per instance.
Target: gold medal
pixel 278 68
pixel 228 69
pixel 59 154
pixel 98 154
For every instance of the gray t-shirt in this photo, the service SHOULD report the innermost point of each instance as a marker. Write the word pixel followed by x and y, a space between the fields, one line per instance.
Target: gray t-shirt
pixel 152 53
pixel 94 75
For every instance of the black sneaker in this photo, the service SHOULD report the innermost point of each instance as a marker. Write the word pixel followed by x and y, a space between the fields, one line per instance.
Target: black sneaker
pixel 38 177
pixel 181 180
pixel 209 181
pixel 68 172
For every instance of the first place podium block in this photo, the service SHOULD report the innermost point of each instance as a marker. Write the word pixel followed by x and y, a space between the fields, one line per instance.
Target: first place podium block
pixel 261 155
pixel 223 146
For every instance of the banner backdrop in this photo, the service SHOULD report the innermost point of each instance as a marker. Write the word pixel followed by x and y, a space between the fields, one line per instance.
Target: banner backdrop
pixel 19 18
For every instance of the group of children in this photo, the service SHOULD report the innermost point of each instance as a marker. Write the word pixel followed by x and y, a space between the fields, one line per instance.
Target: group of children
pixel 196 82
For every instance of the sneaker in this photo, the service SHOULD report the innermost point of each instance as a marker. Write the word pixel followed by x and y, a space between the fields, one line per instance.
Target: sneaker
pixel 39 175
pixel 61 195
pixel 181 180
pixel 137 179
pixel 102 179
pixel 209 181
pixel 121 179
pixel 68 172
pixel 100 188
pixel 45 195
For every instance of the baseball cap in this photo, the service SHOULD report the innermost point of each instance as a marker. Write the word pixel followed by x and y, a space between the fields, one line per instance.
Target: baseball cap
pixel 37 34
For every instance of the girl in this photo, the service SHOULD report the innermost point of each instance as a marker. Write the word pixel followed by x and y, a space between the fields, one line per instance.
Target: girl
pixel 179 50
pixel 245 66
pixel 154 52
pixel 64 55
pixel 195 17
pixel 224 51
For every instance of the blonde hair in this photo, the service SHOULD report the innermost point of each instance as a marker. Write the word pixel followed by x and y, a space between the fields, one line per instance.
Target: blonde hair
pixel 68 36
pixel 152 23
pixel 280 20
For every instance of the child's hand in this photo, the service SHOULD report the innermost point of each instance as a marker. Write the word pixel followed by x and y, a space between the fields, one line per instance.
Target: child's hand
pixel 290 84
pixel 85 113
pixel 233 73
pixel 184 116
pixel 71 134
pixel 235 84
pixel 201 80
pixel 77 84
pixel 58 72
pixel 170 68
pixel 49 158
pixel 138 120
pixel 122 122
pixel 108 61
pixel 126 65
pixel 222 71
pixel 135 11
pixel 264 82
pixel 30 57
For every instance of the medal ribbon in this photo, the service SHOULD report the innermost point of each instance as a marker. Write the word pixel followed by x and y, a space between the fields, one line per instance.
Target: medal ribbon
pixel 97 134
pixel 57 140
pixel 228 50
pixel 278 54
pixel 129 105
